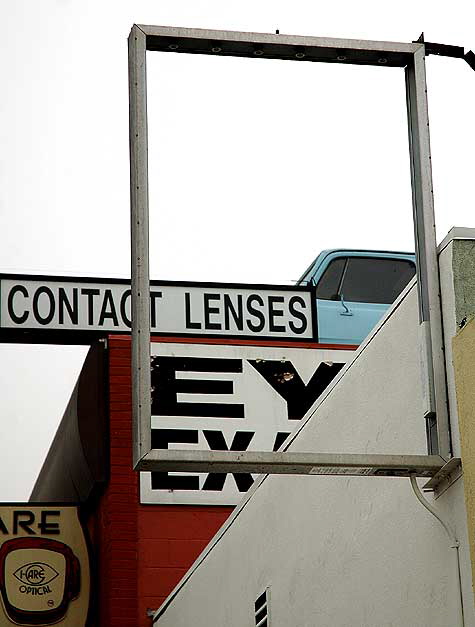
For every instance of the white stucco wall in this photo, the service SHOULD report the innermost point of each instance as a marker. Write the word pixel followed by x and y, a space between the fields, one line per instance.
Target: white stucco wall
pixel 336 551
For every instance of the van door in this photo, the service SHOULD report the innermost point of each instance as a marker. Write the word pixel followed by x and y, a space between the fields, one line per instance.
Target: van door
pixel 354 292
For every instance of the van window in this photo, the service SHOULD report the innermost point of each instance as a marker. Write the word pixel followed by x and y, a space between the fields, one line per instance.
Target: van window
pixel 329 283
pixel 369 280
pixel 365 279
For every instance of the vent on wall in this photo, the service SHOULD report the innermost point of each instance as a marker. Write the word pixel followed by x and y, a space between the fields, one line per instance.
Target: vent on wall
pixel 261 609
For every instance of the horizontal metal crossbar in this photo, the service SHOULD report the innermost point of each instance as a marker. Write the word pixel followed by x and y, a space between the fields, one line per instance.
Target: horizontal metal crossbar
pixel 292 463
pixel 265 45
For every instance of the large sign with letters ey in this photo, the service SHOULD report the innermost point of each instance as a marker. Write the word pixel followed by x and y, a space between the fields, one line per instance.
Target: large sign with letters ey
pixel 228 397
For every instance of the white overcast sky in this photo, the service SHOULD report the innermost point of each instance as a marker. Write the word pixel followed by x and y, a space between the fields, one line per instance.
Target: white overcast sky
pixel 255 165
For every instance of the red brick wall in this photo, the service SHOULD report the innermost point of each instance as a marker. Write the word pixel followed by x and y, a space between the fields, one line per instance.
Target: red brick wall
pixel 143 550
pixel 118 511
pixel 169 542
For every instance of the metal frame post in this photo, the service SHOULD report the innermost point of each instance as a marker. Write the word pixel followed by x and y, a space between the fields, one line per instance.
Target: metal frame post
pixel 140 284
pixel 428 284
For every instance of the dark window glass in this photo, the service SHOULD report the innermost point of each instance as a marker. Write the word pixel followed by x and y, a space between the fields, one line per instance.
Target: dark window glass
pixel 327 288
pixel 369 280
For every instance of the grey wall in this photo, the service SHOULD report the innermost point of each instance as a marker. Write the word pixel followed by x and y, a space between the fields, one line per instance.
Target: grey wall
pixel 336 551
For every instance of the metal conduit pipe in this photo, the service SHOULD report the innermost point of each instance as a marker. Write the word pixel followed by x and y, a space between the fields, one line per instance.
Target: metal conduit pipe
pixel 454 544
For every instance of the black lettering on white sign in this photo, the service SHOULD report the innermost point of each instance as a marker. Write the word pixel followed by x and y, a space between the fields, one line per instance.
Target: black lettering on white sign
pixel 25 521
pixel 285 380
pixel 18 318
pixel 71 307
pixel 57 303
pixel 166 386
pixel 299 314
pixel 174 375
pixel 161 438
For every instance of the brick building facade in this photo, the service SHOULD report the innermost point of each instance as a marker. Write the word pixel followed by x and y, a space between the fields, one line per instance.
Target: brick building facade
pixel 138 552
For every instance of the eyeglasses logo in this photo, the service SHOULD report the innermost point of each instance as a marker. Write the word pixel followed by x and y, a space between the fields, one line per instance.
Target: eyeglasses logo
pixel 39 577
pixel 36 574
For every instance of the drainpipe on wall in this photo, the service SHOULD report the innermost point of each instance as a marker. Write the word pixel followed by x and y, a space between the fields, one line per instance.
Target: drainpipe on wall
pixel 454 544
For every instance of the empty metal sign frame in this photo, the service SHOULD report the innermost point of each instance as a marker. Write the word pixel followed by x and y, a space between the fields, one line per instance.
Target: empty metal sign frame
pixel 410 56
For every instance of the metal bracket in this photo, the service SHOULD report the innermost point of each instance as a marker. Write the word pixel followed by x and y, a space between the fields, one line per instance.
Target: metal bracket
pixel 445 477
pixel 470 59
pixel 447 50
pixel 444 50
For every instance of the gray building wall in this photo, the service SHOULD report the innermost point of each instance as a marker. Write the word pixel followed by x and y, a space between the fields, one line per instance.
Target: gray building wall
pixel 337 551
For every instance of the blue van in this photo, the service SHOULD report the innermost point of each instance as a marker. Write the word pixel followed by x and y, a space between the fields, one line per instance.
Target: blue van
pixel 354 288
